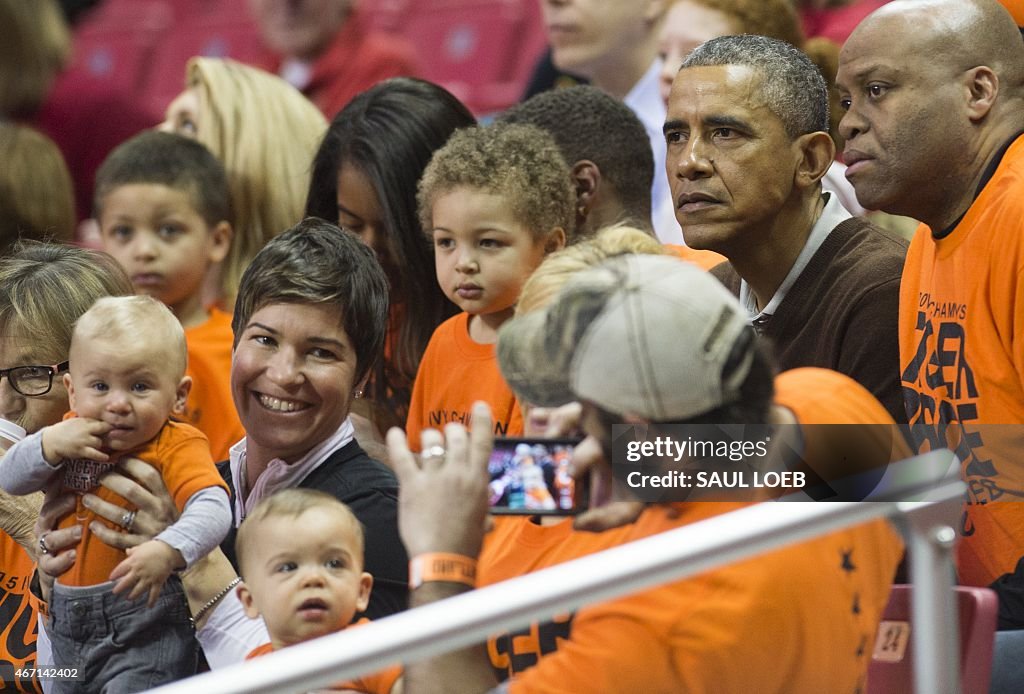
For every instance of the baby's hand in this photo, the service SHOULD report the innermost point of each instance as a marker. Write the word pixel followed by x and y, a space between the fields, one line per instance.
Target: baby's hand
pixel 146 569
pixel 78 437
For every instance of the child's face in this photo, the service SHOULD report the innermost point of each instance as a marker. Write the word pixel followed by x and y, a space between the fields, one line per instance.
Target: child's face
pixel 161 241
pixel 305 575
pixel 132 387
pixel 483 254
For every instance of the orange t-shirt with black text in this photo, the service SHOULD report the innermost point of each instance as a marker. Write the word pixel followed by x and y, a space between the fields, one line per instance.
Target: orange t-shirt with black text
pixel 961 334
pixel 19 612
pixel 454 373
pixel 210 407
pixel 376 683
pixel 180 453
pixel 689 635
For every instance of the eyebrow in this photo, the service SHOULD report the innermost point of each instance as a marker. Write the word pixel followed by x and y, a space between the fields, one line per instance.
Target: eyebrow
pixel 345 210
pixel 315 339
pixel 868 71
pixel 710 121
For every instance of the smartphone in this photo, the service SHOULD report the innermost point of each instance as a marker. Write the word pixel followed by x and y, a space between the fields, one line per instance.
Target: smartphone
pixel 534 477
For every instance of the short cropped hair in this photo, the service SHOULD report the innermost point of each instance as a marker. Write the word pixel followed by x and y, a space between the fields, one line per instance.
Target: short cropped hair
pixel 120 318
pixel 519 162
pixel 45 287
pixel 290 503
pixel 315 262
pixel 171 160
pixel 791 85
pixel 587 123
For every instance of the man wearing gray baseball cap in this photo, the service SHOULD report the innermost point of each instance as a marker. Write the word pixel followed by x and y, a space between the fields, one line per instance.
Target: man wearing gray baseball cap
pixel 655 342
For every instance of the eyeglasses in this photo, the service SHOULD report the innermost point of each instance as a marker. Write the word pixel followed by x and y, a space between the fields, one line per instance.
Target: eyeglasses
pixel 33 380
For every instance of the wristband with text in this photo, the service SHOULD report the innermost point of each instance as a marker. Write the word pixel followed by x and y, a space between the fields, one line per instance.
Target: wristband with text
pixel 442 566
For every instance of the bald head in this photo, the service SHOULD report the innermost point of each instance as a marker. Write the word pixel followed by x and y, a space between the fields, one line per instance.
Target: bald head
pixel 949 30
pixel 932 90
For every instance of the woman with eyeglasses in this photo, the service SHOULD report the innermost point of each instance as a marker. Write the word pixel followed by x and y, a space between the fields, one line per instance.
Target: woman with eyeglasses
pixel 44 288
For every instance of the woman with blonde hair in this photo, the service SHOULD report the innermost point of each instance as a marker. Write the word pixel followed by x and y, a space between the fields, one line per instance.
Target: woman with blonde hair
pixel 36 195
pixel 265 133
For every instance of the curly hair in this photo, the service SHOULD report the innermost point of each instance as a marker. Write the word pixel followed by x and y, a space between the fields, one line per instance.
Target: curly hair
pixel 521 163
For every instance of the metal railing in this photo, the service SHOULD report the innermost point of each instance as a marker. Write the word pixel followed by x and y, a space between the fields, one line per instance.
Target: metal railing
pixel 471 617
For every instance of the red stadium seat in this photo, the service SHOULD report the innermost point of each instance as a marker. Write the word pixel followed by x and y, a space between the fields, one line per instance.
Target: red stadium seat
pixel 389 16
pixel 114 43
pixel 218 35
pixel 481 50
pixel 892 664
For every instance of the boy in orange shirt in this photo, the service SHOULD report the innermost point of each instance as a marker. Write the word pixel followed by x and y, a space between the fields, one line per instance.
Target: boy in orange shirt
pixel 163 206
pixel 494 200
pixel 301 554
pixel 126 374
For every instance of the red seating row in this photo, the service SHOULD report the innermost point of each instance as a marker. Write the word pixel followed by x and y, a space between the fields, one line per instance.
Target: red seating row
pixel 482 50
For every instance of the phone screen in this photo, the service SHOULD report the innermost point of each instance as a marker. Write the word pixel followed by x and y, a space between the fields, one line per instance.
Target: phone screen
pixel 534 477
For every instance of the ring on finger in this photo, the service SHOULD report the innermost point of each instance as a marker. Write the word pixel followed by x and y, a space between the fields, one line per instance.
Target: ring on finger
pixel 43 549
pixel 433 452
pixel 128 520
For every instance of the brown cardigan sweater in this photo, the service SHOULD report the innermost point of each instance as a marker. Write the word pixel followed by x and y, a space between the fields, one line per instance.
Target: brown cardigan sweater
pixel 842 312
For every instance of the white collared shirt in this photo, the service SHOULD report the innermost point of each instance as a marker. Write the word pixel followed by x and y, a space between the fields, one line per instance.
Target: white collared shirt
pixel 833 214
pixel 280 474
pixel 644 99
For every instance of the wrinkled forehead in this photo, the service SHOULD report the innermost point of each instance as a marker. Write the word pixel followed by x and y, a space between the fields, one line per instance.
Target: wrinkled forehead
pixel 895 38
pixel 698 90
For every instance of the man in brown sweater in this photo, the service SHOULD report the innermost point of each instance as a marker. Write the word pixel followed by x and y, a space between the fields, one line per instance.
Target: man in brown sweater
pixel 748 144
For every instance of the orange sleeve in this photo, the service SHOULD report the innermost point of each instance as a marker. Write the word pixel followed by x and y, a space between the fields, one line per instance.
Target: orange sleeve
pixel 210 407
pixel 705 260
pixel 186 463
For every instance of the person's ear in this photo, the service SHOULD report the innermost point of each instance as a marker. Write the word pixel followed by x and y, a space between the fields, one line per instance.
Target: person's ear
pixel 248 603
pixel 982 88
pixel 181 394
pixel 70 386
pixel 555 240
pixel 815 152
pixel 365 586
pixel 586 177
pixel 220 241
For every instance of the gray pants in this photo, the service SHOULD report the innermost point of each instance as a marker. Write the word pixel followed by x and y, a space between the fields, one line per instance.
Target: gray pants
pixel 120 646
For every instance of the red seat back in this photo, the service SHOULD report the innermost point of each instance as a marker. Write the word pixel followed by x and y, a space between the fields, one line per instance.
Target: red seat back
pixel 892 665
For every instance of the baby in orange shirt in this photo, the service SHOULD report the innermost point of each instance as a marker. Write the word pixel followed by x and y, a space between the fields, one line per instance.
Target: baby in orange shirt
pixel 126 375
pixel 300 552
